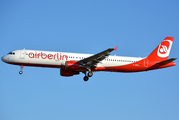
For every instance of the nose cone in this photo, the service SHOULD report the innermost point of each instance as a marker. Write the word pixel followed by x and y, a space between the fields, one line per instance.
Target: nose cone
pixel 4 58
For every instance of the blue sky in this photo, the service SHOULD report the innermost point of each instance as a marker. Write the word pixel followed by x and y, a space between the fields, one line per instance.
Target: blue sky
pixel 90 26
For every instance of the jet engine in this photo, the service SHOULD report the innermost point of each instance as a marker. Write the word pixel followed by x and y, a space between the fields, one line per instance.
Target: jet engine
pixel 68 73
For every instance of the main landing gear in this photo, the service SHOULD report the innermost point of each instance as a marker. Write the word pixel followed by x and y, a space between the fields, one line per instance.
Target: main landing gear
pixel 86 78
pixel 21 71
pixel 90 74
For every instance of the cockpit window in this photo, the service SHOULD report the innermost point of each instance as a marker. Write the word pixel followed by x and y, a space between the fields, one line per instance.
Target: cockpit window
pixel 11 53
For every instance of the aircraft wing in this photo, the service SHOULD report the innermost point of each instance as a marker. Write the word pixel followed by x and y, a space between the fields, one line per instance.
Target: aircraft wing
pixel 93 60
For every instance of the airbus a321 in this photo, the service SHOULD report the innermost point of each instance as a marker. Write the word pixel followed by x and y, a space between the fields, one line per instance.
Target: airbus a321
pixel 73 63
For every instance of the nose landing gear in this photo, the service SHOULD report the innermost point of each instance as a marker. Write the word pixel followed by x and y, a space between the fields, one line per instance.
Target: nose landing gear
pixel 21 71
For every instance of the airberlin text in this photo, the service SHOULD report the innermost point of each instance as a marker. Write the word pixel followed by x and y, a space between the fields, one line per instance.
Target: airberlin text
pixel 57 56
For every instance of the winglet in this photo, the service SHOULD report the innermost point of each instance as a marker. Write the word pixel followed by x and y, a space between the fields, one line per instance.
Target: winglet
pixel 115 48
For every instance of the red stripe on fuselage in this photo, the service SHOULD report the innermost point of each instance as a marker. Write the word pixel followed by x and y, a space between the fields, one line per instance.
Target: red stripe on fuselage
pixel 133 67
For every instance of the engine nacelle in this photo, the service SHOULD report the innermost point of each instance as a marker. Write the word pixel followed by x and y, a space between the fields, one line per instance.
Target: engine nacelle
pixel 72 65
pixel 68 73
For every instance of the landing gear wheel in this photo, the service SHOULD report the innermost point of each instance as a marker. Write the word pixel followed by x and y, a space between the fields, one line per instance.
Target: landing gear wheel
pixel 90 74
pixel 85 78
pixel 20 72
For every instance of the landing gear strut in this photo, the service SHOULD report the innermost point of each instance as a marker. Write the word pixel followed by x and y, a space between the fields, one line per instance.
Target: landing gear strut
pixel 86 78
pixel 21 71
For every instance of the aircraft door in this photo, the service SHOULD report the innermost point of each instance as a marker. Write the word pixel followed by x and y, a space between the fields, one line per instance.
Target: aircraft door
pixel 145 62
pixel 22 54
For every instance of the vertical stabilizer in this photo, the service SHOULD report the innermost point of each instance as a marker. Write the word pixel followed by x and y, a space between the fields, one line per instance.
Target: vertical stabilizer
pixel 162 51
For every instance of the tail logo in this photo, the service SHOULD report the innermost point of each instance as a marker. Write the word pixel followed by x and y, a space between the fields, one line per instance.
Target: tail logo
pixel 164 48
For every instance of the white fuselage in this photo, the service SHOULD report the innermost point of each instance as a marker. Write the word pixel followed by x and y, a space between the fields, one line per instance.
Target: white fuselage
pixel 73 63
pixel 58 59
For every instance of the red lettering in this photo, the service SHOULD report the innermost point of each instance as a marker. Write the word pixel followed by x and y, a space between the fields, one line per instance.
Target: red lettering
pixel 43 55
pixel 54 56
pixel 57 57
pixel 50 56
pixel 35 54
pixel 64 56
pixel 38 55
pixel 31 55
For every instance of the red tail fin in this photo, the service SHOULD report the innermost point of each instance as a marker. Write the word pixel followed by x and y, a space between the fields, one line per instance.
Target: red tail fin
pixel 162 51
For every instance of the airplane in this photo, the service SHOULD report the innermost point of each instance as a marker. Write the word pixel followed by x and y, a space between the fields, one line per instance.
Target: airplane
pixel 73 63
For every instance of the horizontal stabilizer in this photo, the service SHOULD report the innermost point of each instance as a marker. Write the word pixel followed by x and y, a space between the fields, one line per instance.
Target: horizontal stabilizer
pixel 166 61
